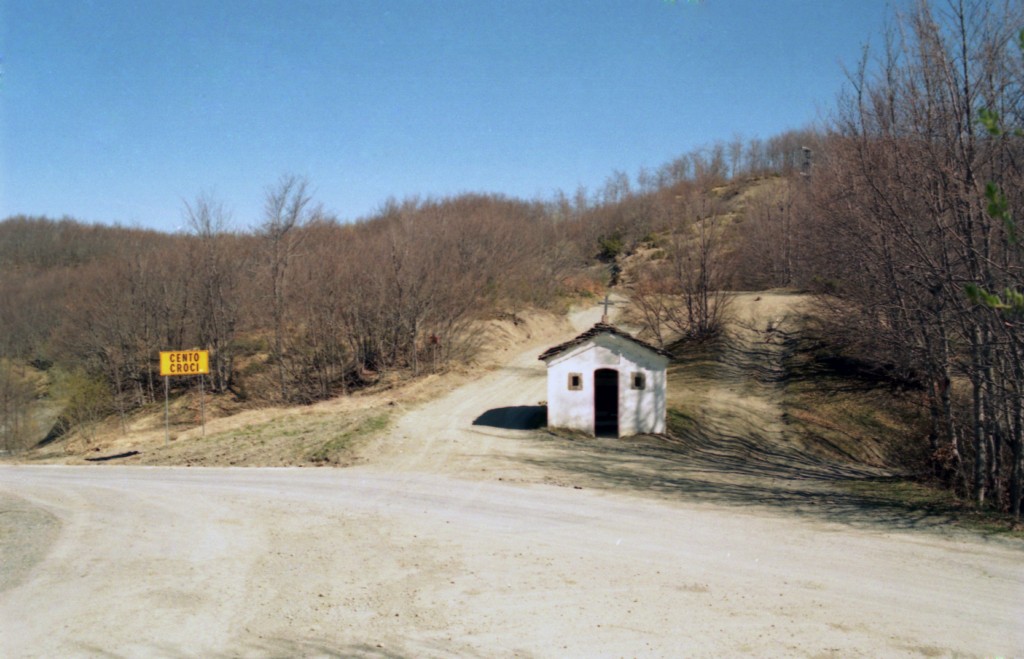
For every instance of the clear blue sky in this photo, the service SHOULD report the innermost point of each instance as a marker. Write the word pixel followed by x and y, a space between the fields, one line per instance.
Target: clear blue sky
pixel 117 111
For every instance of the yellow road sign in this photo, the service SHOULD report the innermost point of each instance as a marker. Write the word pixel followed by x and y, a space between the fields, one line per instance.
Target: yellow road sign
pixel 184 362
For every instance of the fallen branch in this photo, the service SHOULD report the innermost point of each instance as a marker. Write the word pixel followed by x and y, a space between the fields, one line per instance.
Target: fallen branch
pixel 118 456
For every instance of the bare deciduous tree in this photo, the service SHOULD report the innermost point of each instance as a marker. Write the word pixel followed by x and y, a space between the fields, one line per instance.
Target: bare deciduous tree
pixel 909 228
pixel 286 209
pixel 220 263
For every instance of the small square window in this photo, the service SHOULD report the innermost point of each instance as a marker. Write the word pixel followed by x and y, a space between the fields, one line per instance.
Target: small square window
pixel 575 381
pixel 639 381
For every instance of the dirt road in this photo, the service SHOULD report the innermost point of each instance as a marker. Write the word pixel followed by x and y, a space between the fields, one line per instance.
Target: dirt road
pixel 178 562
pixel 465 535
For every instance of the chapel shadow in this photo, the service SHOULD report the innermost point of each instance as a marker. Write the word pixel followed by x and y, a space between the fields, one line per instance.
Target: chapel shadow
pixel 518 417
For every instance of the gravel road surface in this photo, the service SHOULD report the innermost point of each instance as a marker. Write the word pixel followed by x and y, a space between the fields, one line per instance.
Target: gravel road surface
pixel 228 562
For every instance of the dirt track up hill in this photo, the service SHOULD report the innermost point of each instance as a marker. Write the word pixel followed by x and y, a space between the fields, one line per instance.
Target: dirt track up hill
pixel 731 440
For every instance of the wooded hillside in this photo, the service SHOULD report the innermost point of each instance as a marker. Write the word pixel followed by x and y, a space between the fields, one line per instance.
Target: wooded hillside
pixel 900 211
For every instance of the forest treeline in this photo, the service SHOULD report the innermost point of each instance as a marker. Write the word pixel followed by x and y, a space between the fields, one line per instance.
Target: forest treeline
pixel 303 307
pixel 909 227
pixel 904 218
pixel 901 211
pixel 916 200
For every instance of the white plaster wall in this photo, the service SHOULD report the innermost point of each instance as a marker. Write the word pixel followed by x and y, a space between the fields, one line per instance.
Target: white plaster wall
pixel 640 410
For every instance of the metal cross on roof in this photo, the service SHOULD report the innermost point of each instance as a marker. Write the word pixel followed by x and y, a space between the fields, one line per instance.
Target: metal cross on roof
pixel 607 303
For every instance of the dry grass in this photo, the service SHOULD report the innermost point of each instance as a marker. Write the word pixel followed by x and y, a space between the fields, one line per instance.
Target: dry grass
pixel 330 432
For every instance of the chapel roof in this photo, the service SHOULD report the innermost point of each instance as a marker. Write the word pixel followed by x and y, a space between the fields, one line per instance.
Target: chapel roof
pixel 596 330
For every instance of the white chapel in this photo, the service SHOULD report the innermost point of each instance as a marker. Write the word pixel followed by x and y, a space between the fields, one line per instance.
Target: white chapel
pixel 606 382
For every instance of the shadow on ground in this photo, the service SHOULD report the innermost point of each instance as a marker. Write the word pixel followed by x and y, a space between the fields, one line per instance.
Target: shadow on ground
pixel 735 447
pixel 519 417
pixel 663 466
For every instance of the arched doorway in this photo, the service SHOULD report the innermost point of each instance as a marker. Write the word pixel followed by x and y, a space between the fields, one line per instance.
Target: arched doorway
pixel 606 402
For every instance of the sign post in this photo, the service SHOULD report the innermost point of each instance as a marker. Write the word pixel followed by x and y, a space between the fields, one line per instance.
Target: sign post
pixel 176 363
pixel 167 411
pixel 202 406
